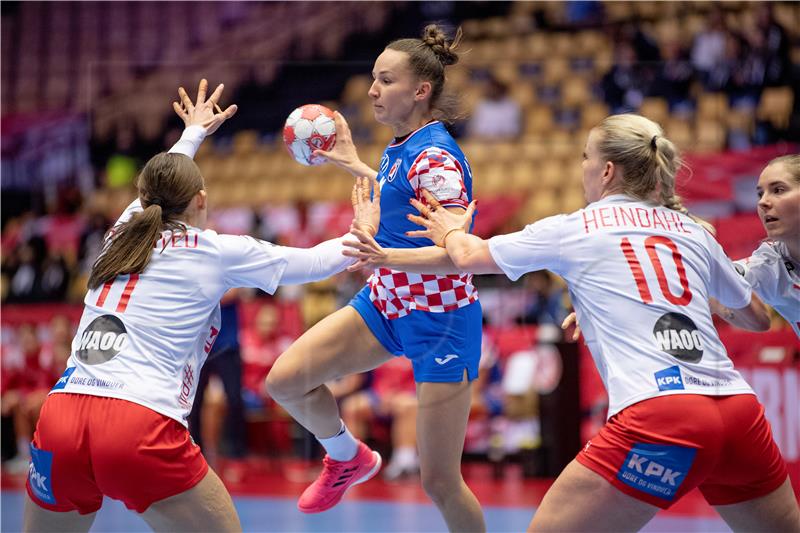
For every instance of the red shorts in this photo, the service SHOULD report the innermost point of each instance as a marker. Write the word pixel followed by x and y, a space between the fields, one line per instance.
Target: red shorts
pixel 86 447
pixel 659 449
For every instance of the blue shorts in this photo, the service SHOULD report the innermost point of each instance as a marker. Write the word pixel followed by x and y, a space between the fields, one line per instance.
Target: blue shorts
pixel 440 345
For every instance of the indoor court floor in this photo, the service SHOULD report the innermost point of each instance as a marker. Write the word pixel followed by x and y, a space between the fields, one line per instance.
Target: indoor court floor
pixel 266 497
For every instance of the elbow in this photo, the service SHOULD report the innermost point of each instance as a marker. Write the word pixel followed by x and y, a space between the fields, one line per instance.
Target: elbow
pixel 762 323
pixel 761 319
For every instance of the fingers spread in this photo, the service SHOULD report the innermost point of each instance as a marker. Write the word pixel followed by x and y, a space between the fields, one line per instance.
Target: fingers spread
pixel 215 96
pixel 420 221
pixel 185 100
pixel 202 89
pixel 230 111
pixel 471 209
pixel 376 189
pixel 431 199
pixel 342 129
pixel 419 205
pixel 179 109
pixel 365 186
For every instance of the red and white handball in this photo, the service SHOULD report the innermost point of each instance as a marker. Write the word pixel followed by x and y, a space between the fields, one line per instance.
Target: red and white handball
pixel 309 127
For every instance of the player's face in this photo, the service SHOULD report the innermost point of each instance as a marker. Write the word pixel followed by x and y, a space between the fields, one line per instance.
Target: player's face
pixel 779 203
pixel 593 168
pixel 393 89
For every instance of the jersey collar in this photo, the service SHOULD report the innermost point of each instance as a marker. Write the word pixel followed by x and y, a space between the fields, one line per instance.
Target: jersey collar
pixel 407 137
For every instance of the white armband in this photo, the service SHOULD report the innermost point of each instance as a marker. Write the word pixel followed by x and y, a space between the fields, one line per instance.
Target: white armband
pixel 190 141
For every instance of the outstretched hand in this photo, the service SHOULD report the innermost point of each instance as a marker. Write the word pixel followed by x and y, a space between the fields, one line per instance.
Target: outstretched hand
pixel 367 250
pixel 366 200
pixel 205 113
pixel 438 221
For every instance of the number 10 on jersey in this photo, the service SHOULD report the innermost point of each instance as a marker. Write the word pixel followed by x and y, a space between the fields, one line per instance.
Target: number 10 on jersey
pixel 650 244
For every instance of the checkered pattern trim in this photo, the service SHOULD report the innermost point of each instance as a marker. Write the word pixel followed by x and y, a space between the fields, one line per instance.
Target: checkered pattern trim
pixel 440 172
pixel 395 293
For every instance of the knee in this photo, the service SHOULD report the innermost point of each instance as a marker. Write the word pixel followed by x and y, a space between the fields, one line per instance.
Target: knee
pixel 279 385
pixel 437 485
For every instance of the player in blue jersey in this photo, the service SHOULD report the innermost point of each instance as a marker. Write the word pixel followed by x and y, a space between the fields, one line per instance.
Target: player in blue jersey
pixel 434 319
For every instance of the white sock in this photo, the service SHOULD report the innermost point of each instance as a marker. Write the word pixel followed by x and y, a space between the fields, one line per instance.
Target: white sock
pixel 342 446
pixel 23 448
pixel 405 456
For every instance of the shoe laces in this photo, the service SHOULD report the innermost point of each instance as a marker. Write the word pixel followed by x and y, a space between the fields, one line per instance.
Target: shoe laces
pixel 337 473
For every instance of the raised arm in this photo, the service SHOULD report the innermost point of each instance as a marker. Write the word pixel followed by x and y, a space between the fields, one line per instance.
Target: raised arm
pixel 201 119
pixel 344 153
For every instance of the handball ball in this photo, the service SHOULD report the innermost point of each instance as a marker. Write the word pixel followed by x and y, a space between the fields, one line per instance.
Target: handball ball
pixel 309 127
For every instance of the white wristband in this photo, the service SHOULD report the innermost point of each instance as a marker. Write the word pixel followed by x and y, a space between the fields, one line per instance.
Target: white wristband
pixel 190 141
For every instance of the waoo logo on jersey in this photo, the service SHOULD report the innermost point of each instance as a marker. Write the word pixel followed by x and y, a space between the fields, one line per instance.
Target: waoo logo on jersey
pixel 102 340
pixel 677 335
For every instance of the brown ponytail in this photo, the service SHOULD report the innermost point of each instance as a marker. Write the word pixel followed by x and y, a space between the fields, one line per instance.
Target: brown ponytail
pixel 427 58
pixel 166 185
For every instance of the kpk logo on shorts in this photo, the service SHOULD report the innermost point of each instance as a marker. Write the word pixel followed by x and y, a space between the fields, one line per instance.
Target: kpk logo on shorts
pixel 656 469
pixel 39 475
pixel 678 336
pixel 102 340
pixel 669 379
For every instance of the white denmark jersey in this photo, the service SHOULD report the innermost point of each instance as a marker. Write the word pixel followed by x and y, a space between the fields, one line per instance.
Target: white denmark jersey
pixel 640 276
pixel 776 279
pixel 144 338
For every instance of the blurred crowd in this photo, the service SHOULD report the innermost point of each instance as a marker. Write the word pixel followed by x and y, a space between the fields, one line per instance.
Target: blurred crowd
pixel 523 110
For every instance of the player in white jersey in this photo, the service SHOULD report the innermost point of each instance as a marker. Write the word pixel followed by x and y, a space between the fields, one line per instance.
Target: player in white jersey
pixel 774 268
pixel 433 320
pixel 640 273
pixel 115 422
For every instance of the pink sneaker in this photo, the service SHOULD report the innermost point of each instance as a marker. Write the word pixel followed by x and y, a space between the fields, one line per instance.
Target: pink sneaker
pixel 337 477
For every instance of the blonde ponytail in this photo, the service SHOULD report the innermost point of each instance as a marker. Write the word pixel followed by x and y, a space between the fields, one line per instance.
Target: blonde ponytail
pixel 649 161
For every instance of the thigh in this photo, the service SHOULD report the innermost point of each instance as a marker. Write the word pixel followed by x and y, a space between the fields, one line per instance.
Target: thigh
pixel 442 346
pixel 441 427
pixel 40 520
pixel 205 507
pixel 581 500
pixel 777 511
pixel 140 456
pixel 658 449
pixel 61 477
pixel 750 465
pixel 338 345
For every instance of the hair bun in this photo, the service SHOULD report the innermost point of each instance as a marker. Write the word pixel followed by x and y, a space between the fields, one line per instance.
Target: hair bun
pixel 434 37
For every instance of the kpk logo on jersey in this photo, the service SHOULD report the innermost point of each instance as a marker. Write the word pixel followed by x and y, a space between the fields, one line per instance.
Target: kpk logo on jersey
pixel 678 336
pixel 102 340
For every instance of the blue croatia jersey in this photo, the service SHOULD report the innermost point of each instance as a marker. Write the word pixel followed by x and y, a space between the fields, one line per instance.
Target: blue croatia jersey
pixel 427 158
